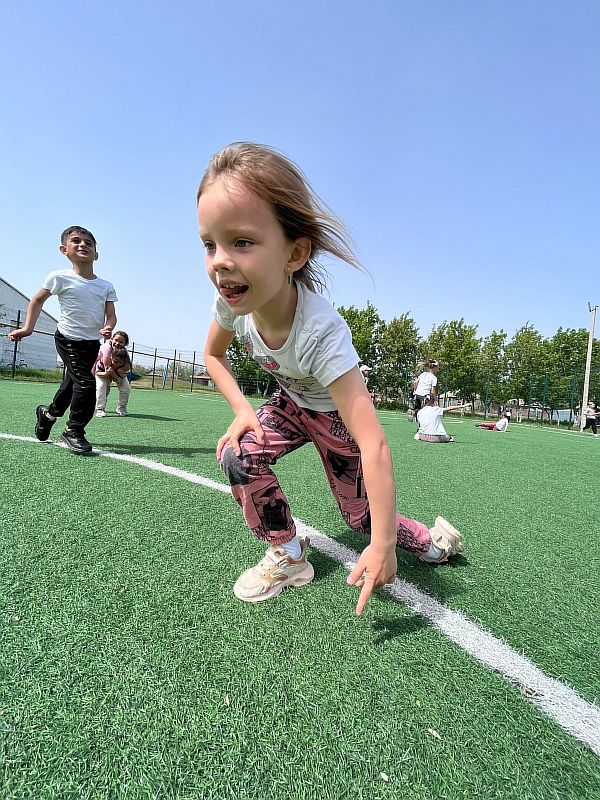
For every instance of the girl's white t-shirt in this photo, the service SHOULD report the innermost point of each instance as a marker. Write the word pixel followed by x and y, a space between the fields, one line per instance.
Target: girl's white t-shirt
pixel 430 421
pixel 502 424
pixel 317 351
pixel 426 383
pixel 82 303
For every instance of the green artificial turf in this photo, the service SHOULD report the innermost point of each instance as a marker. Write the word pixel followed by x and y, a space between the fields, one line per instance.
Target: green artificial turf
pixel 129 670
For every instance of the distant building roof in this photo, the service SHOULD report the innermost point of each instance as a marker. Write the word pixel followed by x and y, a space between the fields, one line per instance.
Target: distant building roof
pixel 24 296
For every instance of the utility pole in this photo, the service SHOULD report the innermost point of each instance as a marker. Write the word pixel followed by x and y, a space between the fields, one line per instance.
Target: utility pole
pixel 588 363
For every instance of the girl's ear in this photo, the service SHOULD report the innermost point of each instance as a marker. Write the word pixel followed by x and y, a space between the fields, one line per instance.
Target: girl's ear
pixel 301 250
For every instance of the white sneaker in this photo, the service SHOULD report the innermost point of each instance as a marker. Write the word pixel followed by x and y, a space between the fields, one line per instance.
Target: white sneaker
pixel 446 538
pixel 416 437
pixel 122 412
pixel 272 574
pixel 101 413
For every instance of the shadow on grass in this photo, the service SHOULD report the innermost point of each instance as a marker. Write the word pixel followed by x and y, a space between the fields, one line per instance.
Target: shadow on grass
pixel 145 450
pixel 438 580
pixel 323 565
pixel 390 629
pixel 156 417
pixel 429 580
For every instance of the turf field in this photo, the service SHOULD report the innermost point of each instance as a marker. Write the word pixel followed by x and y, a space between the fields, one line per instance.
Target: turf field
pixel 129 670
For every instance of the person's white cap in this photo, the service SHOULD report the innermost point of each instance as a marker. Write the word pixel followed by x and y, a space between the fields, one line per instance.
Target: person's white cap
pixel 364 368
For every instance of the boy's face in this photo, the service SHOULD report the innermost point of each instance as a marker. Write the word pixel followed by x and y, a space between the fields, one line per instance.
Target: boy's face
pixel 79 249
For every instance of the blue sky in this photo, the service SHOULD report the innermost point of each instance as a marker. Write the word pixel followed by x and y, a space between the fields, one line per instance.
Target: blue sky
pixel 458 141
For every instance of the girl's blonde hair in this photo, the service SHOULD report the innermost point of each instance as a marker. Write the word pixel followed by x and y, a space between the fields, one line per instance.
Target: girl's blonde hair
pixel 300 212
pixel 427 363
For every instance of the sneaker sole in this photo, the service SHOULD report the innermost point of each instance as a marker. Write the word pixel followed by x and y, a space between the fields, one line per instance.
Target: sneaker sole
pixel 454 536
pixel 42 435
pixel 300 579
pixel 454 539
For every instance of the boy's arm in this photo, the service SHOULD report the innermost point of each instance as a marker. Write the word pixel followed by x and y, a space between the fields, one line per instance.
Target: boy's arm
pixel 31 317
pixel 110 318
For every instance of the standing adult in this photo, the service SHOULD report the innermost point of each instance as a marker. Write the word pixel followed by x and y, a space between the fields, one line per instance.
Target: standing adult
pixel 591 414
pixel 425 384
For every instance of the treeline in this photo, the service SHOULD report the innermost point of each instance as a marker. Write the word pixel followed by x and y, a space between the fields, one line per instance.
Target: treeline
pixel 494 368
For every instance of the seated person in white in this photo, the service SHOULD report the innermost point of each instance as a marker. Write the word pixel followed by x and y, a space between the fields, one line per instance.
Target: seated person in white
pixel 501 425
pixel 430 421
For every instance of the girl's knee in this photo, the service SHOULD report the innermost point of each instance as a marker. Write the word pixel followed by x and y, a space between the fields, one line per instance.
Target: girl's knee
pixel 240 470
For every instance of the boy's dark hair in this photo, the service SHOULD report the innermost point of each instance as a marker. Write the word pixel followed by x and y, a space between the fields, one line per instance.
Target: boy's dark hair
pixel 76 229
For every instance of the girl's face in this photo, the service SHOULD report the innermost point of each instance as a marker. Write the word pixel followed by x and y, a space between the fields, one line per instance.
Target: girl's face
pixel 248 257
pixel 119 339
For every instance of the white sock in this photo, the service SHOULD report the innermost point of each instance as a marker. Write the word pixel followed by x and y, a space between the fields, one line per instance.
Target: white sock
pixel 433 552
pixel 292 548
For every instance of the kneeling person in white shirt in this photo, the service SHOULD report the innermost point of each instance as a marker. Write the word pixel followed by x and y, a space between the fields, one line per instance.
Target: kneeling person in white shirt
pixel 430 421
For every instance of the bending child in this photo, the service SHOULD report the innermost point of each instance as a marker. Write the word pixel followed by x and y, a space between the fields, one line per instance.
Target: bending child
pixel 113 364
pixel 430 421
pixel 263 229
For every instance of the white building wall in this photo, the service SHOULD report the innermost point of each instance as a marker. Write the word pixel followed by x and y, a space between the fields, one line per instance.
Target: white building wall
pixel 37 350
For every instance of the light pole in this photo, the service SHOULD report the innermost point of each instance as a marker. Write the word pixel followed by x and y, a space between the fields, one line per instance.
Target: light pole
pixel 588 363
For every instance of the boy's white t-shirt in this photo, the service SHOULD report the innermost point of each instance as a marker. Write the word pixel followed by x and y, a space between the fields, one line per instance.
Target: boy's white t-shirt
pixel 430 421
pixel 318 349
pixel 426 383
pixel 502 424
pixel 82 303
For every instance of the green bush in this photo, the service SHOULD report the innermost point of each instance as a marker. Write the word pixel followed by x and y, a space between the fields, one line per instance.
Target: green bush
pixel 26 374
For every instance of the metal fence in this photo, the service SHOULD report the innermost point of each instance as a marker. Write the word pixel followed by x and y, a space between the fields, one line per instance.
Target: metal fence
pixel 546 398
pixel 153 367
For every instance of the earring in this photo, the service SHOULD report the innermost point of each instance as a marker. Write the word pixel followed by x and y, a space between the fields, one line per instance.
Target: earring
pixel 289 278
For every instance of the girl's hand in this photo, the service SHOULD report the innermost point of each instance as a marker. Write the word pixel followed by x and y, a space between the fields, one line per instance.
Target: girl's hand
pixel 374 569
pixel 246 420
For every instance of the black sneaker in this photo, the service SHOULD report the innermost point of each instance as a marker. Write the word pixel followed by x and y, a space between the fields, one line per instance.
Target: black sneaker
pixel 75 441
pixel 44 424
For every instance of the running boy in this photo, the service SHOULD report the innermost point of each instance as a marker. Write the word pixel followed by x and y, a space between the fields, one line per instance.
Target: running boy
pixel 263 229
pixel 87 311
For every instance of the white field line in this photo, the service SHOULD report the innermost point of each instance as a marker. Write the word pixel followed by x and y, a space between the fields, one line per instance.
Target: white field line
pixel 575 715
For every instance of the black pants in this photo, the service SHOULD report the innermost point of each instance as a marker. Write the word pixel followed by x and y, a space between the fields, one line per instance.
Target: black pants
pixel 78 389
pixel 591 423
pixel 418 401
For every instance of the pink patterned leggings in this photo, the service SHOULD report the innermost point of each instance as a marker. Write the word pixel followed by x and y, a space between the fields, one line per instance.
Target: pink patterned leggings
pixel 287 427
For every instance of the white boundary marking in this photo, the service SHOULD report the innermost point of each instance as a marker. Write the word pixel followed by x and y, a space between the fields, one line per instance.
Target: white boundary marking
pixel 575 715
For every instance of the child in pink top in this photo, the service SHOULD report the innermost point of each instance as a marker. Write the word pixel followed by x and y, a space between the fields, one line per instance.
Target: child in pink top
pixel 113 364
